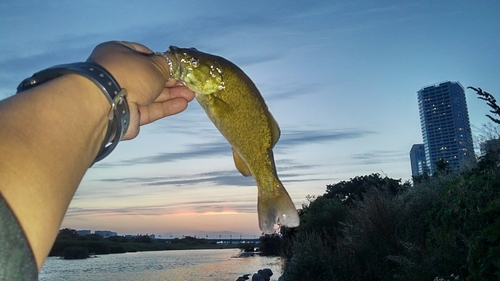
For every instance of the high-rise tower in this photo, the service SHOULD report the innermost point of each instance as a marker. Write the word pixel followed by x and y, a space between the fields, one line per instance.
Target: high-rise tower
pixel 445 125
pixel 417 160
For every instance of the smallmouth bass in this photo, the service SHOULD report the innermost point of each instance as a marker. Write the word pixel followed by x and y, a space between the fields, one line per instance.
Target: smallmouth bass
pixel 236 107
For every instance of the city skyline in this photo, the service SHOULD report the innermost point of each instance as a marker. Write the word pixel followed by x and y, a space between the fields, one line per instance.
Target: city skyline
pixel 445 125
pixel 339 77
pixel 208 235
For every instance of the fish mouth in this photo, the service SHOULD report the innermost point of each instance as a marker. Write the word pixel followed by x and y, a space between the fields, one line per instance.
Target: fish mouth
pixel 176 56
pixel 173 64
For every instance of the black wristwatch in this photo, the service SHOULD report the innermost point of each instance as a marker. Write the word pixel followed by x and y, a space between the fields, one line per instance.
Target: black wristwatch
pixel 119 115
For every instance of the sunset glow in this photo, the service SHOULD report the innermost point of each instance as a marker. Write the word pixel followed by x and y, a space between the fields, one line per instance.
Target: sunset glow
pixel 340 77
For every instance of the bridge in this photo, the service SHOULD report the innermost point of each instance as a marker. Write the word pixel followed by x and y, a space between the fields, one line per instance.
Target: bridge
pixel 233 241
pixel 221 240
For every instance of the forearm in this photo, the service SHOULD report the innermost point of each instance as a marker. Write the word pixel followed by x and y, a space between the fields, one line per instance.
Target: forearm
pixel 50 136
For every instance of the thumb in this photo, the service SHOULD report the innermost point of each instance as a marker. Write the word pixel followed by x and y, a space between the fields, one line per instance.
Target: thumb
pixel 136 47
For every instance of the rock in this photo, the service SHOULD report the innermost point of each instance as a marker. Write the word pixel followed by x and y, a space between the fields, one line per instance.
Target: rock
pixel 258 277
pixel 266 273
pixel 261 275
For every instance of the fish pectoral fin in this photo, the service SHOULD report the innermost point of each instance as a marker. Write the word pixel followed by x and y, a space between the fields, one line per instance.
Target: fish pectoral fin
pixel 275 130
pixel 219 105
pixel 241 165
pixel 276 209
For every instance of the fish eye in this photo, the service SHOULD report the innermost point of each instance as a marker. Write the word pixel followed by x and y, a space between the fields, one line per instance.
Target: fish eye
pixel 195 62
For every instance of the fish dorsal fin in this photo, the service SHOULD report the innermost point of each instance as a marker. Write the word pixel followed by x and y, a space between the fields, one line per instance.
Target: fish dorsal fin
pixel 241 165
pixel 275 129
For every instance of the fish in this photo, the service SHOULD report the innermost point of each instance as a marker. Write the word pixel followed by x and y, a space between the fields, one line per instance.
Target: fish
pixel 233 103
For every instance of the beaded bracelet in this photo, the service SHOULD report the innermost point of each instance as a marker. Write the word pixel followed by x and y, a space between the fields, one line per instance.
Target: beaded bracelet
pixel 119 115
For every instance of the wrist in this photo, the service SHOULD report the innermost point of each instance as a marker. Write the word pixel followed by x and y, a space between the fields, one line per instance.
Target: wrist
pixel 118 117
pixel 93 105
pixel 87 108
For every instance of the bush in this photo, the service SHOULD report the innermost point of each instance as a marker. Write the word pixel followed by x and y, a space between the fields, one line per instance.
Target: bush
pixel 73 253
pixel 247 247
pixel 116 248
pixel 270 245
pixel 442 226
pixel 98 248
pixel 311 260
pixel 322 216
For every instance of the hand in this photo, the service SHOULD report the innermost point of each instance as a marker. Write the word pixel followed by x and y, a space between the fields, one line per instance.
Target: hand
pixel 145 76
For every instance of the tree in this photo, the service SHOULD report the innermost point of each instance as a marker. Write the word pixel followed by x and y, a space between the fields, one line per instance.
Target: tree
pixel 270 245
pixel 73 253
pixel 491 138
pixel 143 239
pixel 491 101
pixel 355 188
pixel 441 165
pixel 67 233
pixel 247 247
pixel 322 215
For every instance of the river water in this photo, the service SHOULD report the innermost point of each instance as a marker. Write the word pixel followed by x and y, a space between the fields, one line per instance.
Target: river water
pixel 192 265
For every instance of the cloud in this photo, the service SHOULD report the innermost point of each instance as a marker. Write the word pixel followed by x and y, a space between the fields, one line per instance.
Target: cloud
pixel 197 207
pixel 287 174
pixel 194 151
pixel 219 178
pixel 288 140
pixel 292 138
pixel 207 31
pixel 291 165
pixel 380 156
pixel 278 92
pixel 20 65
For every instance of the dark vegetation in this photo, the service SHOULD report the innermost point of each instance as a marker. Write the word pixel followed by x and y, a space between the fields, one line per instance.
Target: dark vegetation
pixel 270 245
pixel 70 245
pixel 444 226
pixel 490 101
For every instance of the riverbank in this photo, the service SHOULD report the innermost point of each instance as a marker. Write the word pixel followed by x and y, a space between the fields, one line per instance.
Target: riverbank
pixel 69 245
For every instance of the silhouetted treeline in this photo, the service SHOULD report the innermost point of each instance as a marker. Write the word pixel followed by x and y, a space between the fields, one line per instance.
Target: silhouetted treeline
pixel 70 245
pixel 377 228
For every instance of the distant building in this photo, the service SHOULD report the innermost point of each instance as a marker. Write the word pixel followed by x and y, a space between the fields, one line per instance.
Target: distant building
pixel 105 233
pixel 83 232
pixel 417 159
pixel 445 125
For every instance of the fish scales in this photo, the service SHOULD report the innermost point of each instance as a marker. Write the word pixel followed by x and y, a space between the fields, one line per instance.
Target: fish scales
pixel 234 104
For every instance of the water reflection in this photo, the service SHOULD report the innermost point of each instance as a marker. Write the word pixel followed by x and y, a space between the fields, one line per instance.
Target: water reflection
pixel 210 265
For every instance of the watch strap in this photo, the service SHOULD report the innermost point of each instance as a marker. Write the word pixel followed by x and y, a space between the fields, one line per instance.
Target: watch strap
pixel 119 115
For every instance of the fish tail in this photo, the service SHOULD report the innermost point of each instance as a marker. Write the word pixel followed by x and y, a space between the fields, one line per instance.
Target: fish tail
pixel 274 207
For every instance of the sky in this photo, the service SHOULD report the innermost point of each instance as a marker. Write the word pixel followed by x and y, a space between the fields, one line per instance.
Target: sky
pixel 340 77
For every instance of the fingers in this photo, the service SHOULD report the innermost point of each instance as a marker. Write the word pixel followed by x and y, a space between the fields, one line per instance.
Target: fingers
pixel 158 110
pixel 176 92
pixel 152 112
